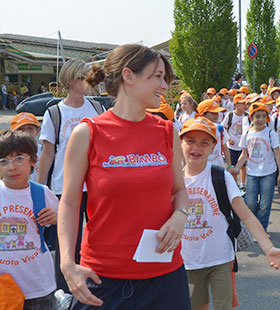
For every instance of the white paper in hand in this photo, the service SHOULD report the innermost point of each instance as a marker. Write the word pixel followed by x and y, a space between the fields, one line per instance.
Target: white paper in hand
pixel 146 250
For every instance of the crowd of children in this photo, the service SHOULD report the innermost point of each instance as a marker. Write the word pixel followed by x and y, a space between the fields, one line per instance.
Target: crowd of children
pixel 232 129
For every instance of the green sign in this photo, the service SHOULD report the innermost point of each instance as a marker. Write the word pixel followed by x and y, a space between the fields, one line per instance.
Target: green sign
pixel 28 67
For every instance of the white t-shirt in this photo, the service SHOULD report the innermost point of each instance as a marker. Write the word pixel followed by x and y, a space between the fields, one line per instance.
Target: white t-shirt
pixel 216 157
pixel 4 89
pixel 259 145
pixel 186 116
pixel 20 253
pixel 272 120
pixel 230 106
pixel 70 118
pixel 205 241
pixel 235 130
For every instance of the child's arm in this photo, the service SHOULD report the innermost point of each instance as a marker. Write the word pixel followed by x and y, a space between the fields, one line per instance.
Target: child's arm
pixel 242 159
pixel 256 229
pixel 277 159
pixel 47 216
pixel 228 159
pixel 46 160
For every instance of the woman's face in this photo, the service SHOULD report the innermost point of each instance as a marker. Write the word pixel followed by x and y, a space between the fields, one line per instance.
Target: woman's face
pixel 147 86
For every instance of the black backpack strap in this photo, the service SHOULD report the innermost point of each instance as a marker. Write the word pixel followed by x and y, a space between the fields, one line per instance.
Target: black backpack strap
pixel 234 228
pixel 275 122
pixel 55 115
pixel 230 116
pixel 96 105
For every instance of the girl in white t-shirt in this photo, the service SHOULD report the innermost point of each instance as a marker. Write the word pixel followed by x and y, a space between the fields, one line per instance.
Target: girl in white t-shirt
pixel 72 109
pixel 260 148
pixel 188 105
pixel 206 247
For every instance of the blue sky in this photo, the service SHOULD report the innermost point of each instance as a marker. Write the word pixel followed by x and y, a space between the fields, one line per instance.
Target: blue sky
pixel 102 21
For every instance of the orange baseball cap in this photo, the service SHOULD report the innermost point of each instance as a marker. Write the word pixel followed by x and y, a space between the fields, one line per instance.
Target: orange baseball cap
pixel 244 89
pixel 271 90
pixel 211 90
pixel 185 93
pixel 216 98
pixel 239 98
pixel 252 98
pixel 24 118
pixel 209 105
pixel 200 124
pixel 267 100
pixel 223 91
pixel 263 86
pixel 232 92
pixel 277 101
pixel 164 109
pixel 258 106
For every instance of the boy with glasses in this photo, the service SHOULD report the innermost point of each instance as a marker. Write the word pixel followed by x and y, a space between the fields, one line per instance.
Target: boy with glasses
pixel 24 253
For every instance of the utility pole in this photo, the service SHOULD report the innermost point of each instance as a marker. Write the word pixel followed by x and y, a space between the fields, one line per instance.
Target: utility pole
pixel 61 47
pixel 240 47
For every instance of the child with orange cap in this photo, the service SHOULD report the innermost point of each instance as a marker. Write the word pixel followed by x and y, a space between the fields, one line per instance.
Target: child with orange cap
pixel 260 148
pixel 233 125
pixel 28 123
pixel 263 89
pixel 211 92
pixel 231 93
pixel 207 249
pixel 275 119
pixel 224 94
pixel 250 99
pixel 211 110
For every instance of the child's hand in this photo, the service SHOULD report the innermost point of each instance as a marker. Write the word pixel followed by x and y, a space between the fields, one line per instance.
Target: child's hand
pixel 233 171
pixel 273 256
pixel 231 142
pixel 47 216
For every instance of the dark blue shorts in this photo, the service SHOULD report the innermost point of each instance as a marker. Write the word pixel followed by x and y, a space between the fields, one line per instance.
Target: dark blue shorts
pixel 234 155
pixel 166 292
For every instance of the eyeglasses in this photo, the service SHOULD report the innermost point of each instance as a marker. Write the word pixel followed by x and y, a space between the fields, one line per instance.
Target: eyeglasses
pixel 17 160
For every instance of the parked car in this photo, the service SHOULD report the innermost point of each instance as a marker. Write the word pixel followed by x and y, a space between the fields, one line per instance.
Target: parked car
pixel 39 103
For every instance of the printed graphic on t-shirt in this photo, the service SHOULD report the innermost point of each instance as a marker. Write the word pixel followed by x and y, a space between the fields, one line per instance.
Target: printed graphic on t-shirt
pixel 258 147
pixel 14 234
pixel 237 129
pixel 136 160
pixel 197 219
pixel 69 126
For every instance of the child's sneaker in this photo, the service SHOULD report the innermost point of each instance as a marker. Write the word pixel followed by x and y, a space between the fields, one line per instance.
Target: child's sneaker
pixel 242 189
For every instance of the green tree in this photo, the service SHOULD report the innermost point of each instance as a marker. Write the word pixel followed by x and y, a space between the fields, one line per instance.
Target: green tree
pixel 261 30
pixel 204 44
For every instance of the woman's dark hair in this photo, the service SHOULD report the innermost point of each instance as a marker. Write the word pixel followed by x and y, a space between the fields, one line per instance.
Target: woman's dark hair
pixel 17 142
pixel 133 56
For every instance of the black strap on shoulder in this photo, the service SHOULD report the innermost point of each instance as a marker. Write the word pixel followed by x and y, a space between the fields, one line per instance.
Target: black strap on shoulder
pixel 55 115
pixel 96 105
pixel 234 228
pixel 275 122
pixel 230 116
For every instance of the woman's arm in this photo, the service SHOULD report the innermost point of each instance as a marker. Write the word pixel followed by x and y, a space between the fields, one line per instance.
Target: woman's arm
pixel 256 229
pixel 46 160
pixel 75 169
pixel 171 232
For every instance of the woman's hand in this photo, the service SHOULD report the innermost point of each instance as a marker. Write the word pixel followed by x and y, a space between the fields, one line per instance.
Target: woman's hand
pixel 76 276
pixel 171 232
pixel 273 256
pixel 47 217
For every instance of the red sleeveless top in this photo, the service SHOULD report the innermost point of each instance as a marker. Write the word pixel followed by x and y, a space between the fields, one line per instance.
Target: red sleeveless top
pixel 129 184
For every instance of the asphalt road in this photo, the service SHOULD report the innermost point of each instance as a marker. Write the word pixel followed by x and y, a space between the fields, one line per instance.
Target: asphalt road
pixel 258 285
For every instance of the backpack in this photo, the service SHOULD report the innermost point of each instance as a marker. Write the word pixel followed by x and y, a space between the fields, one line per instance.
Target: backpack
pixel 39 203
pixel 234 228
pixel 230 116
pixel 55 116
pixel 276 121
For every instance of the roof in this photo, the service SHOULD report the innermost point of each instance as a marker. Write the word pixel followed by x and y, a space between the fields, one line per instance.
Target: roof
pixel 43 48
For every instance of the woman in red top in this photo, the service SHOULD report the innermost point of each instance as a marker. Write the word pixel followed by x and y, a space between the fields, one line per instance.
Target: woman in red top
pixel 130 161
